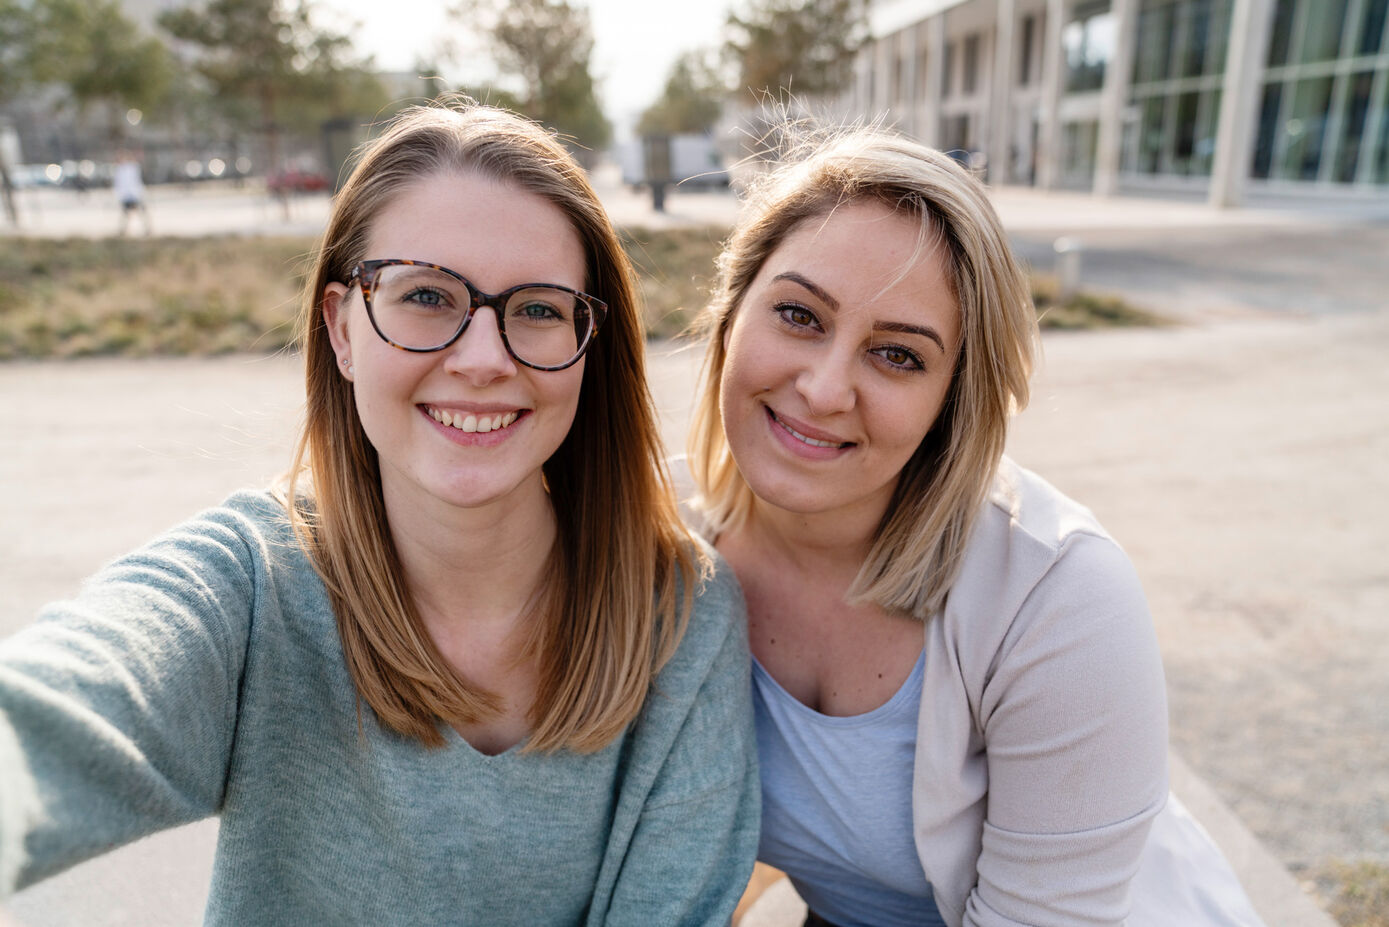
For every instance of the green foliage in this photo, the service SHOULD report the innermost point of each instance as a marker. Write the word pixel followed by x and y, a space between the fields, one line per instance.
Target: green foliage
pixel 804 47
pixel 266 60
pixel 545 47
pixel 691 101
pixel 99 55
pixel 16 25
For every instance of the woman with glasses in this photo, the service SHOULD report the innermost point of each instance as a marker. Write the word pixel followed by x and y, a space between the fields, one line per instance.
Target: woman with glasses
pixel 959 700
pixel 466 666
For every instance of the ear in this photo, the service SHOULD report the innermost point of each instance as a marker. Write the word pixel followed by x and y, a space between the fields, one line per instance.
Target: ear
pixel 334 306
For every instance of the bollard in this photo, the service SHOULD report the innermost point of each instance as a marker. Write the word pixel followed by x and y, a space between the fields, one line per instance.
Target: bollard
pixel 1068 252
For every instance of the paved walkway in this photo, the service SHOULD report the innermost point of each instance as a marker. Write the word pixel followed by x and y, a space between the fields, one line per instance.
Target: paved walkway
pixel 1236 459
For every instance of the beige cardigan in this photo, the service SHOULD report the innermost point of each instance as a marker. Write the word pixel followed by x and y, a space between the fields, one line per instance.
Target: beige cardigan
pixel 1041 755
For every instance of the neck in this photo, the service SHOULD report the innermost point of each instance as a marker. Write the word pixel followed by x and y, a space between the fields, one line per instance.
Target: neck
pixel 827 544
pixel 476 567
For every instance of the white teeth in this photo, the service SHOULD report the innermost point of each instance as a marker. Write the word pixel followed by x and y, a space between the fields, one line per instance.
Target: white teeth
pixel 472 423
pixel 811 441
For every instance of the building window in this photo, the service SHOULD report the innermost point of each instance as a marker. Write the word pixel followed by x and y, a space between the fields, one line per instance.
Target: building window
pixel 971 64
pixel 1088 42
pixel 1079 141
pixel 948 70
pixel 1327 75
pixel 1178 77
pixel 1353 127
pixel 1029 35
pixel 1268 128
pixel 1305 130
pixel 1372 26
pixel 1321 35
pixel 1281 40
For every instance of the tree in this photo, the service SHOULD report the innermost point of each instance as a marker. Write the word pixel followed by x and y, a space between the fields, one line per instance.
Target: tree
pixel 14 77
pixel 691 101
pixel 545 46
pixel 100 56
pixel 270 58
pixel 804 47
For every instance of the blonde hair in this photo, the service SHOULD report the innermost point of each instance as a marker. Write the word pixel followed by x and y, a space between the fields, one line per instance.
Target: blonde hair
pixel 918 546
pixel 611 615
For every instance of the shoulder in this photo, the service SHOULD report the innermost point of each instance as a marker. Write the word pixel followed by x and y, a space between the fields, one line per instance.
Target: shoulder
pixel 717 611
pixel 1026 530
pixel 1039 570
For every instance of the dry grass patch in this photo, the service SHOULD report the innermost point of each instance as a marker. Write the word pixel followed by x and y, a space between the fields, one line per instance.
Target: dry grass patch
pixel 675 270
pixel 1085 310
pixel 217 295
pixel 138 297
pixel 1357 892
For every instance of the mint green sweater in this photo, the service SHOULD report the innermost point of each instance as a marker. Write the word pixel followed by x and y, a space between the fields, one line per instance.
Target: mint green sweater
pixel 203 675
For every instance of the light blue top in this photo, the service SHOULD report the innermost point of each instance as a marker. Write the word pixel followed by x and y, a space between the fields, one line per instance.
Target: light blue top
pixel 836 800
pixel 203 675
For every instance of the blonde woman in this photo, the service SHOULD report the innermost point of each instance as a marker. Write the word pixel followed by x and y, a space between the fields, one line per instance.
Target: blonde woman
pixel 468 668
pixel 960 706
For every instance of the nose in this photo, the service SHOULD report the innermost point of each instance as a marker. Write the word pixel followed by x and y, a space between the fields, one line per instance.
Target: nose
pixel 827 384
pixel 479 355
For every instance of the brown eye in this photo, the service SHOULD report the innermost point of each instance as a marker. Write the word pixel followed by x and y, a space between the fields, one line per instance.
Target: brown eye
pixel 900 357
pixel 797 316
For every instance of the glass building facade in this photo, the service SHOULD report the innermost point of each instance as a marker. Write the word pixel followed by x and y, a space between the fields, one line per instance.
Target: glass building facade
pixel 1146 94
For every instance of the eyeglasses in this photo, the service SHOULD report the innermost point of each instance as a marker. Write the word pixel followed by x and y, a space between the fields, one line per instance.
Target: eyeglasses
pixel 423 307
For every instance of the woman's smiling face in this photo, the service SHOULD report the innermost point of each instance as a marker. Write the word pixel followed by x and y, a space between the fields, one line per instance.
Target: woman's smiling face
pixel 425 413
pixel 839 359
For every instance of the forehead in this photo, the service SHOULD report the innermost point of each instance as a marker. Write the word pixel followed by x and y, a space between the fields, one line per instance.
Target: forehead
pixel 868 256
pixel 491 231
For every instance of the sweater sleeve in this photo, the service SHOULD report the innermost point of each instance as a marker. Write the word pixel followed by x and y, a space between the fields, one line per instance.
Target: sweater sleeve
pixel 118 707
pixel 1074 722
pixel 695 840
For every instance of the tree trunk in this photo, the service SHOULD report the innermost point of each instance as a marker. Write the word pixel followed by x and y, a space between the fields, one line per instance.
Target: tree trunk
pixel 7 194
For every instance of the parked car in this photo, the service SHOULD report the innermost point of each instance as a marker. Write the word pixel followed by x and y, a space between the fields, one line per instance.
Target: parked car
pixel 296 181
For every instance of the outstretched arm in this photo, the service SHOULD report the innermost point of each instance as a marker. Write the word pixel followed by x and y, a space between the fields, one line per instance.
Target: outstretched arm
pixel 118 707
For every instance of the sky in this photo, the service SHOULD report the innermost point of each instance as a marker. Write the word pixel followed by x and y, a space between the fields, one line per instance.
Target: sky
pixel 635 41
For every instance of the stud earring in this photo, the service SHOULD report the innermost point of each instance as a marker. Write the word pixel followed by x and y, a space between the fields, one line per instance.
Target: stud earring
pixel 347 363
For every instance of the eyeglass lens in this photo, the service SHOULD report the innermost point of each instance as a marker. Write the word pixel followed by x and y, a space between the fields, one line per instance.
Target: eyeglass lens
pixel 420 307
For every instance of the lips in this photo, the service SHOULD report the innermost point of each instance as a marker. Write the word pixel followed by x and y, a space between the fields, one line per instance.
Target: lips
pixel 807 435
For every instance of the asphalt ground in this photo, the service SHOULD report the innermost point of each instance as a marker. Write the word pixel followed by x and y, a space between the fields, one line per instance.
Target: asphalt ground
pixel 1238 457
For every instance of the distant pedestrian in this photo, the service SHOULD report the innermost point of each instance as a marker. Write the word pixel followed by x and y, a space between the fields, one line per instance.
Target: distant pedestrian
pixel 130 190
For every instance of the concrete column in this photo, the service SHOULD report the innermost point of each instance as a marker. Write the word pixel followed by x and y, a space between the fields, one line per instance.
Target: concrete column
pixel 911 106
pixel 1001 96
pixel 1053 73
pixel 1251 26
pixel 935 61
pixel 1113 96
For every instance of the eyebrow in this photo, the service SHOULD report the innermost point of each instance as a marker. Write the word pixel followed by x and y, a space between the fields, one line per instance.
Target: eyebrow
pixel 904 328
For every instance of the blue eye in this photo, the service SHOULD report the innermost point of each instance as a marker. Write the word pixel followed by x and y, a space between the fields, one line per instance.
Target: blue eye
pixel 424 296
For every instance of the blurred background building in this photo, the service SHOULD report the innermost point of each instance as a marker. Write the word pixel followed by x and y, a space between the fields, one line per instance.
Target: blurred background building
pixel 1222 98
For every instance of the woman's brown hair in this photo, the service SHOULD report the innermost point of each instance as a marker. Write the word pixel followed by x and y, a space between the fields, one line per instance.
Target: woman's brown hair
pixel 612 611
pixel 918 546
